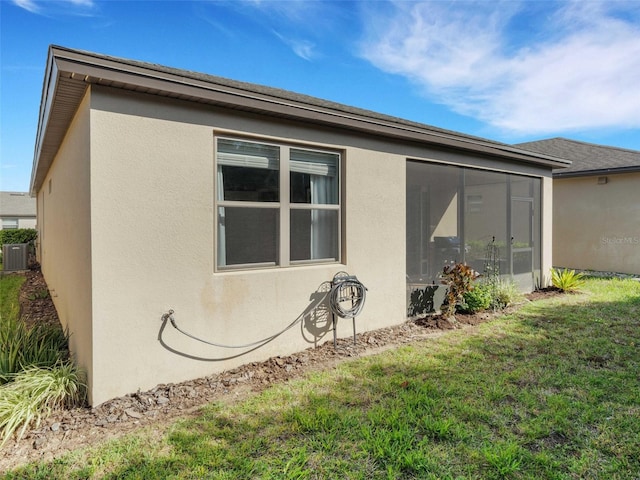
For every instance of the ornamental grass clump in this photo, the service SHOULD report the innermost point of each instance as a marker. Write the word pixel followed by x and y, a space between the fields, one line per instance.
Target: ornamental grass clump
pixel 566 280
pixel 22 346
pixel 34 393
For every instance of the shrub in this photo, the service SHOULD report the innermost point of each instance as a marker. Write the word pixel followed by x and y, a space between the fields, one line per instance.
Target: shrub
pixel 506 293
pixel 477 299
pixel 18 235
pixel 459 279
pixel 21 346
pixel 34 393
pixel 566 280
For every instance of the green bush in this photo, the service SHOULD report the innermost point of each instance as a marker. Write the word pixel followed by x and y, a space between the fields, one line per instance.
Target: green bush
pixel 35 392
pixel 18 235
pixel 566 280
pixel 21 346
pixel 476 300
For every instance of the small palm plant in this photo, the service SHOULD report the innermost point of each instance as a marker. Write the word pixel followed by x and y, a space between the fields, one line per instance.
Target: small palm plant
pixel 566 280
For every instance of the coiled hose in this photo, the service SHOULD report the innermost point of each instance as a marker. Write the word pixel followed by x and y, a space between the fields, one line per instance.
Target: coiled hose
pixel 347 296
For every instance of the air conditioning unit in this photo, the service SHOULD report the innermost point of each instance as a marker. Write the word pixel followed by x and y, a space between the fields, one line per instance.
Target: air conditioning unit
pixel 15 256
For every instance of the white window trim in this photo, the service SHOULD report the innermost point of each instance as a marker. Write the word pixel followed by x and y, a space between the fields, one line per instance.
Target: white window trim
pixel 284 206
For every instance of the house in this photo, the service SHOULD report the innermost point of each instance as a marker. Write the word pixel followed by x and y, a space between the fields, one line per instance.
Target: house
pixel 17 210
pixel 171 199
pixel 596 213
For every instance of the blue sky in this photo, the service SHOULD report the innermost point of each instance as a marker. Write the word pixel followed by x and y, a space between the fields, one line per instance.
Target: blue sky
pixel 509 71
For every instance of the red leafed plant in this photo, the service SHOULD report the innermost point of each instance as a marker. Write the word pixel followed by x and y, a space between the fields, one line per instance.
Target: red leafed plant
pixel 459 279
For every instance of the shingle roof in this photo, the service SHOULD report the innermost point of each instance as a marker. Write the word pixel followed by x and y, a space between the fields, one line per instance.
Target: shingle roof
pixel 587 158
pixel 70 72
pixel 17 204
pixel 284 95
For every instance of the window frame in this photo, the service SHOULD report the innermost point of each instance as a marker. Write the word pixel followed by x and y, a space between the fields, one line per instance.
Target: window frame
pixel 284 206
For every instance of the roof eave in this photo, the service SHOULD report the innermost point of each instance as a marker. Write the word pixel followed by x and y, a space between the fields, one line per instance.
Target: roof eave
pixel 86 68
pixel 595 172
pixel 43 118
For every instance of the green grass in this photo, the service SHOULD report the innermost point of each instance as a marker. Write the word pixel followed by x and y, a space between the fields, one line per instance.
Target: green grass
pixel 9 291
pixel 550 392
pixel 35 375
pixel 22 346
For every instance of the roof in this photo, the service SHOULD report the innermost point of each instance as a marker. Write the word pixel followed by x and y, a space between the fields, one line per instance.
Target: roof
pixel 17 204
pixel 69 72
pixel 587 158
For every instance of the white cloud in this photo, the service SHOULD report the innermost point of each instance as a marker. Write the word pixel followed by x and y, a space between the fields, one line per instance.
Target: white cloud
pixel 300 24
pixel 579 69
pixel 40 6
pixel 302 48
pixel 29 5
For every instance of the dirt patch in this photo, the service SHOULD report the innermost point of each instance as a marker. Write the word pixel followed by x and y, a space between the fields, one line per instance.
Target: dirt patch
pixel 36 305
pixel 71 429
pixel 543 293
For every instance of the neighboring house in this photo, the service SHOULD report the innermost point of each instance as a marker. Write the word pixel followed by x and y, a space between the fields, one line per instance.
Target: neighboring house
pixel 596 208
pixel 236 204
pixel 17 210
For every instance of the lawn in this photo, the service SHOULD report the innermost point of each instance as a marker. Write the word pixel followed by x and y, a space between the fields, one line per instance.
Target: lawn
pixel 9 292
pixel 549 392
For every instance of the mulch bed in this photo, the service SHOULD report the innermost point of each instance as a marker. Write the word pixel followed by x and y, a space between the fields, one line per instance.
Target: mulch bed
pixel 70 429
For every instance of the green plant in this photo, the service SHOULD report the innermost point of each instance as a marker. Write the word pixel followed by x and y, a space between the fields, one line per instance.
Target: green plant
pixel 10 286
pixel 39 294
pixel 22 346
pixel 566 280
pixel 523 396
pixel 477 299
pixel 459 279
pixel 34 393
pixel 506 293
pixel 18 235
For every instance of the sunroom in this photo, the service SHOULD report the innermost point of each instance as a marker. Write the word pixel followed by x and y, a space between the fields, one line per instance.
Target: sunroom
pixel 490 220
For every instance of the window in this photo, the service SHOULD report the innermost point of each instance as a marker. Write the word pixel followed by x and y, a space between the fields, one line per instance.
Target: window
pixel 9 223
pixel 276 204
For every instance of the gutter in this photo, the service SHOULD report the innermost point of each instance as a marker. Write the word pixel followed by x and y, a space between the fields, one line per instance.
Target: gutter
pixel 600 171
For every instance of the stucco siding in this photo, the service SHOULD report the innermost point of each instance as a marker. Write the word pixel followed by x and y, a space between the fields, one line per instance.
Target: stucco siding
pixel 597 226
pixel 138 220
pixel 64 236
pixel 153 248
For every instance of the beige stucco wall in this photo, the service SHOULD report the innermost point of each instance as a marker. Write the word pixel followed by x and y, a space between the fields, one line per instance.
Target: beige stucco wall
pixel 145 241
pixel 597 227
pixel 64 243
pixel 153 247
